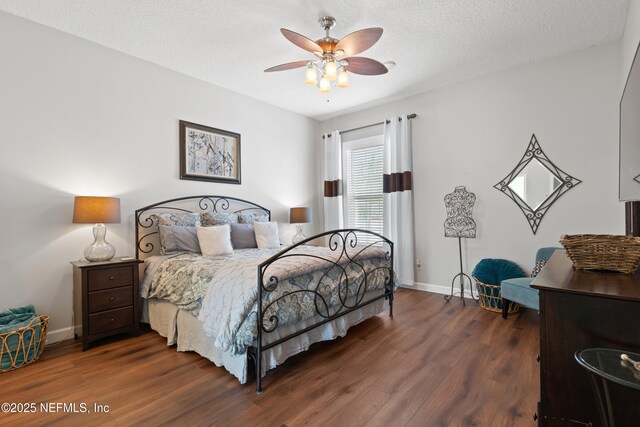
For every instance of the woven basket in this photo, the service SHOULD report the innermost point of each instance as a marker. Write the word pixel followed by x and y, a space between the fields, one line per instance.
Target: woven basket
pixel 23 346
pixel 491 298
pixel 603 252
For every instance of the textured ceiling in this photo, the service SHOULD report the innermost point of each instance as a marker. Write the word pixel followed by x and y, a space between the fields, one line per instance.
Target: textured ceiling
pixel 433 42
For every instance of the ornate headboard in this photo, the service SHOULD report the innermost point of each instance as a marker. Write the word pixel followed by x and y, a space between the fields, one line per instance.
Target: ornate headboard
pixel 147 241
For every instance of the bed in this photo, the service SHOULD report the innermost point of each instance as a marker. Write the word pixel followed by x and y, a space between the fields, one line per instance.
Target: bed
pixel 251 310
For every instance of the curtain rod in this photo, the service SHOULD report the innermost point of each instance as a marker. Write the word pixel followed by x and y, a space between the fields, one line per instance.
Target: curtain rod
pixel 409 116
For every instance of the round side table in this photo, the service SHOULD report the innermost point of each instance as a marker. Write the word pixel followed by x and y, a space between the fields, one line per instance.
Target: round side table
pixel 604 364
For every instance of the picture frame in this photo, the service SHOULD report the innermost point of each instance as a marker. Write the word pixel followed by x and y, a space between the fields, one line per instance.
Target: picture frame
pixel 209 154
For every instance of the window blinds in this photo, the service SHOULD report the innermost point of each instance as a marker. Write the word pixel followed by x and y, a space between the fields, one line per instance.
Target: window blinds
pixel 364 198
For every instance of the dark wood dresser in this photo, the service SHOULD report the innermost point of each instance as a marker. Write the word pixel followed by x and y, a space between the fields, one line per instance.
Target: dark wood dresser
pixel 583 309
pixel 105 299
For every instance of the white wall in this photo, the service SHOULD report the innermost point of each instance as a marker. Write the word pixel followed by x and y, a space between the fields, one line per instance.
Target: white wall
pixel 474 133
pixel 80 119
pixel 630 39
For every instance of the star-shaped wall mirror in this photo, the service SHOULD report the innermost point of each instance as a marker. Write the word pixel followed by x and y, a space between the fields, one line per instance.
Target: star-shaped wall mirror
pixel 535 184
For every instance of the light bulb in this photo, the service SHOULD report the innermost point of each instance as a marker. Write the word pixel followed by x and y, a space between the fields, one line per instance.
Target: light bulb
pixel 331 70
pixel 325 86
pixel 312 76
pixel 343 79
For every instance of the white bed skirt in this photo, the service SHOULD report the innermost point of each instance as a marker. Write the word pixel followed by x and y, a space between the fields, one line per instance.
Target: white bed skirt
pixel 182 328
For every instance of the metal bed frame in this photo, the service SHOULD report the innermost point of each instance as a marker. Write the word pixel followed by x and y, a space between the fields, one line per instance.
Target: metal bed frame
pixel 343 243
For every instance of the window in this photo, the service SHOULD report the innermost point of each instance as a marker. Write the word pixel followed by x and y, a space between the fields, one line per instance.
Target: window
pixel 362 171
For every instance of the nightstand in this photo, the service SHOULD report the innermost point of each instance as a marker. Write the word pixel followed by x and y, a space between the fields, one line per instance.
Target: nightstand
pixel 106 300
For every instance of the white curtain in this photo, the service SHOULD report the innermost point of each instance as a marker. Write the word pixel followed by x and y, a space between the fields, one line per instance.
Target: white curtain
pixel 333 210
pixel 398 196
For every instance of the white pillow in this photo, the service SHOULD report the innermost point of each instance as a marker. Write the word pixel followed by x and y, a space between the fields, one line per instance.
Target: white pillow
pixel 267 235
pixel 215 240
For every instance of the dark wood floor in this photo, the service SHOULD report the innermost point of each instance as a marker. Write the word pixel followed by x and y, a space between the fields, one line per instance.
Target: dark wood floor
pixel 433 364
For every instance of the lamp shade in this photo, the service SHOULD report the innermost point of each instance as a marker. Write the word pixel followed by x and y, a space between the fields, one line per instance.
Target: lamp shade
pixel 92 210
pixel 343 79
pixel 300 215
pixel 325 85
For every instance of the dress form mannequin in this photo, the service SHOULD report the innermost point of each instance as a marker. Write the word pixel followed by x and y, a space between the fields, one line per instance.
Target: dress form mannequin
pixel 460 224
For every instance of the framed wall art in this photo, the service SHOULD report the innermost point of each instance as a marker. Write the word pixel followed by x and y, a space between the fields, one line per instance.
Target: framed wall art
pixel 209 154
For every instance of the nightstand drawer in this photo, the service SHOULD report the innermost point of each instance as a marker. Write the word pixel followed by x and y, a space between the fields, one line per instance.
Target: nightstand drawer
pixel 107 278
pixel 110 299
pixel 109 320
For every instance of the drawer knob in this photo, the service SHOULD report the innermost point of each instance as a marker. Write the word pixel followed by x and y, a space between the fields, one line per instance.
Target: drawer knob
pixel 112 277
pixel 538 358
pixel 112 298
pixel 112 320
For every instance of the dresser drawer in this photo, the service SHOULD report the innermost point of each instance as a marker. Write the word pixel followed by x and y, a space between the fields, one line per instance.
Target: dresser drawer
pixel 110 299
pixel 106 278
pixel 109 320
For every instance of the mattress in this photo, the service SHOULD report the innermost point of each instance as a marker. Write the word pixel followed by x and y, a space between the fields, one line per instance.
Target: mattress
pixel 222 292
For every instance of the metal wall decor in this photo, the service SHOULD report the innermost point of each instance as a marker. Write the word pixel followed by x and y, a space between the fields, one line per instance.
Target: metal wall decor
pixel 460 224
pixel 535 184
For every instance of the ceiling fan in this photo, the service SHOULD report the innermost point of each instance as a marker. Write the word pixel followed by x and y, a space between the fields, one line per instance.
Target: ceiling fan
pixel 335 57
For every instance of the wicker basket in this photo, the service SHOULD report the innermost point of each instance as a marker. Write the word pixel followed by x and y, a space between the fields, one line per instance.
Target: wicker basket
pixel 491 298
pixel 24 345
pixel 603 252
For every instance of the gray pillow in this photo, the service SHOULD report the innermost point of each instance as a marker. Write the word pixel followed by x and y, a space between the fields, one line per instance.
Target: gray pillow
pixel 187 219
pixel 243 236
pixel 178 238
pixel 210 219
pixel 251 217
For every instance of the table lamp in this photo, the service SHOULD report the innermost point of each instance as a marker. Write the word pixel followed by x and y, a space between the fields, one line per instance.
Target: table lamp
pixel 299 216
pixel 97 210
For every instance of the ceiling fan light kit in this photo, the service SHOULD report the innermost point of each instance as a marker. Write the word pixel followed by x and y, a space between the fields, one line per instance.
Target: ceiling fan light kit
pixel 312 76
pixel 335 58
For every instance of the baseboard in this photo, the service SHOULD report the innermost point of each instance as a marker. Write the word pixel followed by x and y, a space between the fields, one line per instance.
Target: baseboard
pixel 436 289
pixel 59 335
pixel 67 333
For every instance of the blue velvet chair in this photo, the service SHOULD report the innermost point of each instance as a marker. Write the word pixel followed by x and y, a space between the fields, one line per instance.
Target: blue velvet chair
pixel 519 290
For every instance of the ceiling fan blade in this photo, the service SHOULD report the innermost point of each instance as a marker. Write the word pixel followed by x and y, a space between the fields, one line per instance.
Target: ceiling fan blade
pixel 300 40
pixel 359 41
pixel 287 66
pixel 365 66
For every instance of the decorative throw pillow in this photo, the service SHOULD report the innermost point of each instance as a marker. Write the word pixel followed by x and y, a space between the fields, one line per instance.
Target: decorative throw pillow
pixel 267 235
pixel 209 219
pixel 251 217
pixel 184 219
pixel 539 266
pixel 215 240
pixel 494 271
pixel 243 236
pixel 178 238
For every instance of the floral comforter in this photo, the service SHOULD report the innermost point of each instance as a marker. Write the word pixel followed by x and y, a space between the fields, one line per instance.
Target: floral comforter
pixel 222 291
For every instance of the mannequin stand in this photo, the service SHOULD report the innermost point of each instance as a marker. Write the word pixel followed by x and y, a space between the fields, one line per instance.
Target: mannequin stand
pixel 461 276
